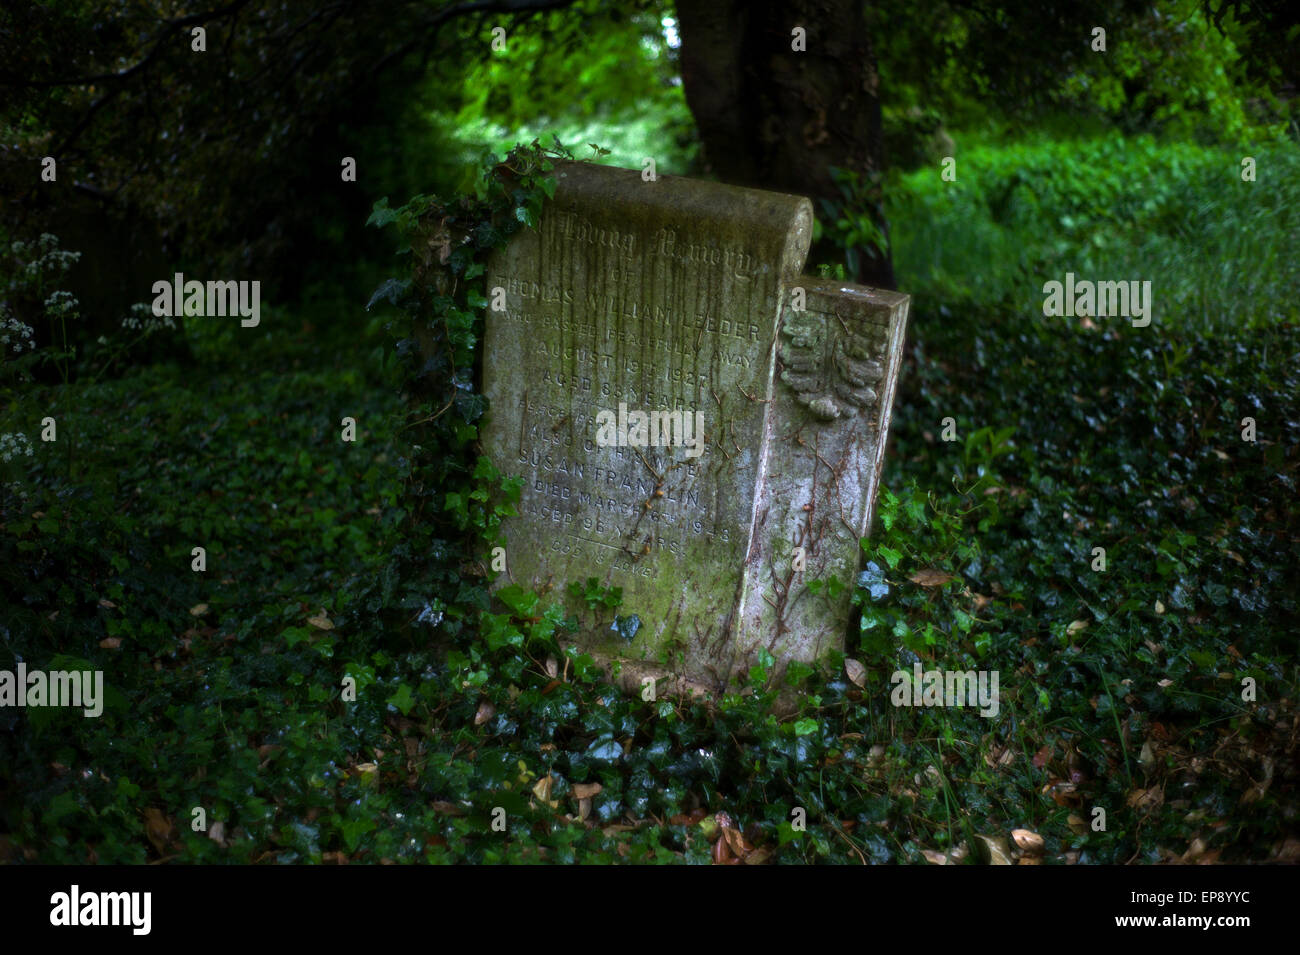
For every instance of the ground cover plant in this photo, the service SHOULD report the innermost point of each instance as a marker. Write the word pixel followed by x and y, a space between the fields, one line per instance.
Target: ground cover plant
pixel 337 686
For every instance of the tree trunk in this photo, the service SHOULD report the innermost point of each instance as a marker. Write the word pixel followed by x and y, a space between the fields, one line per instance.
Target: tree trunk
pixel 775 118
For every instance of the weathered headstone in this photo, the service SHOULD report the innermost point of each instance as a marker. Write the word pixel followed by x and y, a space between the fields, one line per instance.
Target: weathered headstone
pixel 635 313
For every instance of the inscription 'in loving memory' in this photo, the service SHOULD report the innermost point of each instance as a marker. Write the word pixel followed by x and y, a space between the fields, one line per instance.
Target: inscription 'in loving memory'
pixel 640 512
pixel 629 509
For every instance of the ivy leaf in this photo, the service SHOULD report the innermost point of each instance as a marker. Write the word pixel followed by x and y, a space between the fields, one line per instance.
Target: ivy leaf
pixel 381 215
pixel 626 627
pixel 392 291
pixel 892 557
pixel 402 699
pixel 872 580
pixel 522 602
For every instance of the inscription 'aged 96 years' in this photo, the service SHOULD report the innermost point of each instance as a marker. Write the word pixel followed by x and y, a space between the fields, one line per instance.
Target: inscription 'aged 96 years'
pixel 676 308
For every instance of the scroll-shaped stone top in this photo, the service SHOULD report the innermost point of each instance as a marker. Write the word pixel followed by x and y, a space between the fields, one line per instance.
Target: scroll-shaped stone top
pixel 630 360
pixel 730 229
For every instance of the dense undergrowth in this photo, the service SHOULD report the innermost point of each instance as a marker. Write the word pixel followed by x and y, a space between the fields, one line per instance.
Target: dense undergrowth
pixel 1219 250
pixel 1121 689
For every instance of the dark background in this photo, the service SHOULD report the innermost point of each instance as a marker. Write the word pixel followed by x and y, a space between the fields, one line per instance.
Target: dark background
pixel 1122 687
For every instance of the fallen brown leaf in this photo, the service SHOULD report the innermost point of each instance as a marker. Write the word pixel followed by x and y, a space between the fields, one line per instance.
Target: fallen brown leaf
pixel 160 830
pixel 721 854
pixel 931 577
pixel 736 842
pixel 999 852
pixel 1042 756
pixel 1146 800
pixel 687 819
pixel 1288 851
pixel 1028 841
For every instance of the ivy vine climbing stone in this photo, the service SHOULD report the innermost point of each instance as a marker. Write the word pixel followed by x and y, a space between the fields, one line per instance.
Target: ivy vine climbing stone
pixel 695 422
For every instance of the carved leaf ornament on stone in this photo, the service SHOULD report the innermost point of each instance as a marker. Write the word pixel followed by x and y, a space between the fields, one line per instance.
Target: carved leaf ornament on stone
pixel 674 297
pixel 834 371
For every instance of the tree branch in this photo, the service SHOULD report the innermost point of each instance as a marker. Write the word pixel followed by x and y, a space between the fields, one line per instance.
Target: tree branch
pixel 476 6
pixel 192 19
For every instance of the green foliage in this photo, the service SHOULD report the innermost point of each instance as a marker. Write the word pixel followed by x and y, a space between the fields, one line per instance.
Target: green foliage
pixel 1198 92
pixel 1216 249
pixel 35 294
pixel 1179 69
pixel 327 560
pixel 853 222
pixel 632 103
pixel 596 595
pixel 99 568
pixel 1151 467
pixel 453 497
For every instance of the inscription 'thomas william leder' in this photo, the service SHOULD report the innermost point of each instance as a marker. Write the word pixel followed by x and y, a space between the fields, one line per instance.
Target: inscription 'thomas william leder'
pixel 662 297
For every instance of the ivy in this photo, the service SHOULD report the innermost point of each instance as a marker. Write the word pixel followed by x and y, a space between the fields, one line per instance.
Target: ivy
pixel 454 499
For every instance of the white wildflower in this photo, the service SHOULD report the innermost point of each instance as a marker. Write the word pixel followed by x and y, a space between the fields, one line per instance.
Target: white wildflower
pixel 14 444
pixel 14 332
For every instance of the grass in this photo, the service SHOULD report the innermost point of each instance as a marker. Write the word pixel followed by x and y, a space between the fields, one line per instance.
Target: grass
pixel 1219 251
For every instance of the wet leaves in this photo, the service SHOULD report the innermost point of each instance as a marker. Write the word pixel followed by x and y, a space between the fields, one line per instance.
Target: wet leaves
pixel 1146 800
pixel 730 845
pixel 626 626
pixel 160 830
pixel 1110 698
pixel 1028 841
pixel 997 850
pixel 872 580
pixel 931 577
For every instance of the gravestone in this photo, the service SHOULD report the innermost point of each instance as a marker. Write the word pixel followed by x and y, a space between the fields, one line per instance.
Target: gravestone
pixel 695 422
